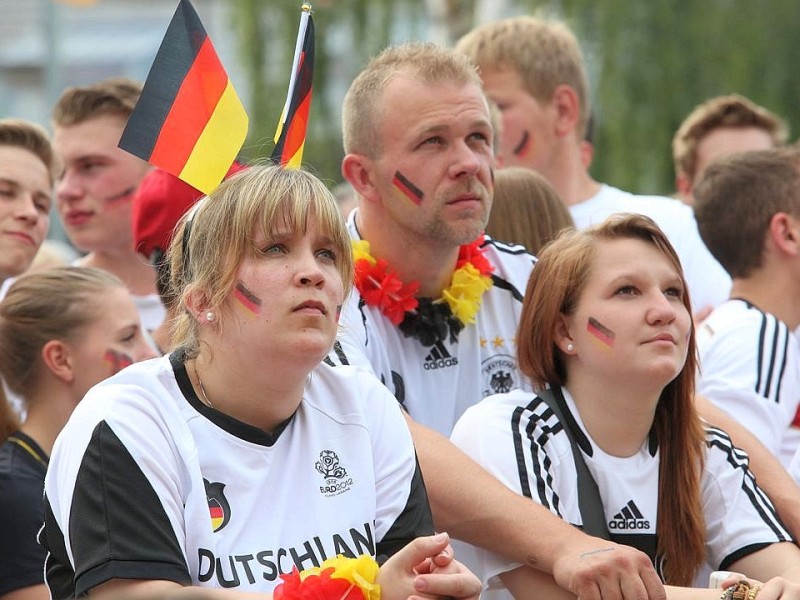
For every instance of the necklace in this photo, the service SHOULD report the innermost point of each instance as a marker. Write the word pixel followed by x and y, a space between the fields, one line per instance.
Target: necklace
pixel 205 399
pixel 25 446
pixel 425 319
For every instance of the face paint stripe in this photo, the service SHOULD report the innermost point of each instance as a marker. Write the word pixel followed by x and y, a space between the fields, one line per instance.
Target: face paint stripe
pixel 123 195
pixel 521 149
pixel 247 298
pixel 116 361
pixel 409 189
pixel 600 331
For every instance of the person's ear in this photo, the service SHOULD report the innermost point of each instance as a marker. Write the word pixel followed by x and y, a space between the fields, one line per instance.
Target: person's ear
pixel 683 185
pixel 57 357
pixel 198 305
pixel 783 230
pixel 357 170
pixel 568 109
pixel 563 338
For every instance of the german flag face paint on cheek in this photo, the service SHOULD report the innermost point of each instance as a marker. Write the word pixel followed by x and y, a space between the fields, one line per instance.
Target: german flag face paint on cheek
pixel 122 196
pixel 408 189
pixel 247 300
pixel 602 333
pixel 523 146
pixel 116 361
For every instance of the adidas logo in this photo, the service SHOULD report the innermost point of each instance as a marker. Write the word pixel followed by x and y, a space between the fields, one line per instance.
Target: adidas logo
pixel 630 517
pixel 439 358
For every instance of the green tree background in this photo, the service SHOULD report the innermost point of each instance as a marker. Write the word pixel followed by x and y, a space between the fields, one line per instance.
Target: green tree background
pixel 650 62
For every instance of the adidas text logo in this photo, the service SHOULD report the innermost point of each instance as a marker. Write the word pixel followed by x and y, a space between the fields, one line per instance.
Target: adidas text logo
pixel 628 518
pixel 439 358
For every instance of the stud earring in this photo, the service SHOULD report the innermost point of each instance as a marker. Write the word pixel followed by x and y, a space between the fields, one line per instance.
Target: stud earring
pixel 570 347
pixel 210 316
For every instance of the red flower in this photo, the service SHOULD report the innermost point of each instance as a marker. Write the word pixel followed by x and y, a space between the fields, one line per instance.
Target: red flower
pixel 385 290
pixel 380 286
pixel 316 587
pixel 473 253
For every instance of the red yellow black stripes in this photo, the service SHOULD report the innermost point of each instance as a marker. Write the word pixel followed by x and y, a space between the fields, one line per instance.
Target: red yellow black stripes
pixel 600 331
pixel 290 136
pixel 189 120
pixel 412 192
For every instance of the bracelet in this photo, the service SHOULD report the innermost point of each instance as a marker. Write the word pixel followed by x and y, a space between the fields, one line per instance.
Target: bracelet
pixel 337 578
pixel 740 591
pixel 751 595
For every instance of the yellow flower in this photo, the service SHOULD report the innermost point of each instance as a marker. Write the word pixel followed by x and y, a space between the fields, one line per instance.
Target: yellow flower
pixel 361 251
pixel 465 292
pixel 361 571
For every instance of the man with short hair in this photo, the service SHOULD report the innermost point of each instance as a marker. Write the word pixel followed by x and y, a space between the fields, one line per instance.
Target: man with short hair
pixel 534 70
pixel 27 169
pixel 436 303
pixel 718 127
pixel 97 185
pixel 748 211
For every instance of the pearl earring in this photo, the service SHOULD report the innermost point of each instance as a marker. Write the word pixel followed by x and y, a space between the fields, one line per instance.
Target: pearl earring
pixel 210 316
pixel 570 347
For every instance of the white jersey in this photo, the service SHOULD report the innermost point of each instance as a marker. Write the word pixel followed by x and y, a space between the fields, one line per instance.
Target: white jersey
pixel 518 438
pixel 436 384
pixel 709 283
pixel 750 368
pixel 146 482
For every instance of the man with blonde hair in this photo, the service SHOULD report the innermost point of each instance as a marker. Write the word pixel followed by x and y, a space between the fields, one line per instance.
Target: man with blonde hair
pixel 534 70
pixel 97 185
pixel 720 126
pixel 436 303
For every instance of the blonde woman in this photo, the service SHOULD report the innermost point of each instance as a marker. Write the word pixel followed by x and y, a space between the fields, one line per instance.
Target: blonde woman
pixel 241 456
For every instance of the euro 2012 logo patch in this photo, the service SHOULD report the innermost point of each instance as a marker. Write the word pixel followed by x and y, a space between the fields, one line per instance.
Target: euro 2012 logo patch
pixel 218 507
pixel 337 480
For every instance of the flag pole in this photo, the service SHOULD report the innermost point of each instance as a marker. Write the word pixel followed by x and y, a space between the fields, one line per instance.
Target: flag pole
pixel 298 51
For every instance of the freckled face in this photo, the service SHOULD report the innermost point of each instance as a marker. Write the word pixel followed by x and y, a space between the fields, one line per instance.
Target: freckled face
pixel 630 320
pixel 434 173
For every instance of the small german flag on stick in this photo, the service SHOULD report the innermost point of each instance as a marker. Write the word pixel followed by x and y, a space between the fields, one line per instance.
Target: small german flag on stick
pixel 189 120
pixel 290 136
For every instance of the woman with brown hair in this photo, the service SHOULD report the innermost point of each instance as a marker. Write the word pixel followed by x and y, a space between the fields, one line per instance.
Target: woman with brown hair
pixel 611 441
pixel 526 209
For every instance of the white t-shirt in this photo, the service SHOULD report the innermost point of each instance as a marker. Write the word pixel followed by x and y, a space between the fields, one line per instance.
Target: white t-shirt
pixel 709 283
pixel 750 368
pixel 518 438
pixel 145 481
pixel 437 384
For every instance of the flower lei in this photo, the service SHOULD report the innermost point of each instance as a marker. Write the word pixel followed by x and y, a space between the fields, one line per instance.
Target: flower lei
pixel 337 578
pixel 425 319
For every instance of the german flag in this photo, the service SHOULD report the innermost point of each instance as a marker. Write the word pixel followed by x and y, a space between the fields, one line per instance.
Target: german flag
pixel 290 136
pixel 189 120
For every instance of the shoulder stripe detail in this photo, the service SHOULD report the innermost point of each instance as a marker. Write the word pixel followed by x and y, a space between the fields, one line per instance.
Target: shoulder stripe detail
pixel 340 355
pixel 505 285
pixel 772 357
pixel 506 248
pixel 533 464
pixel 718 440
